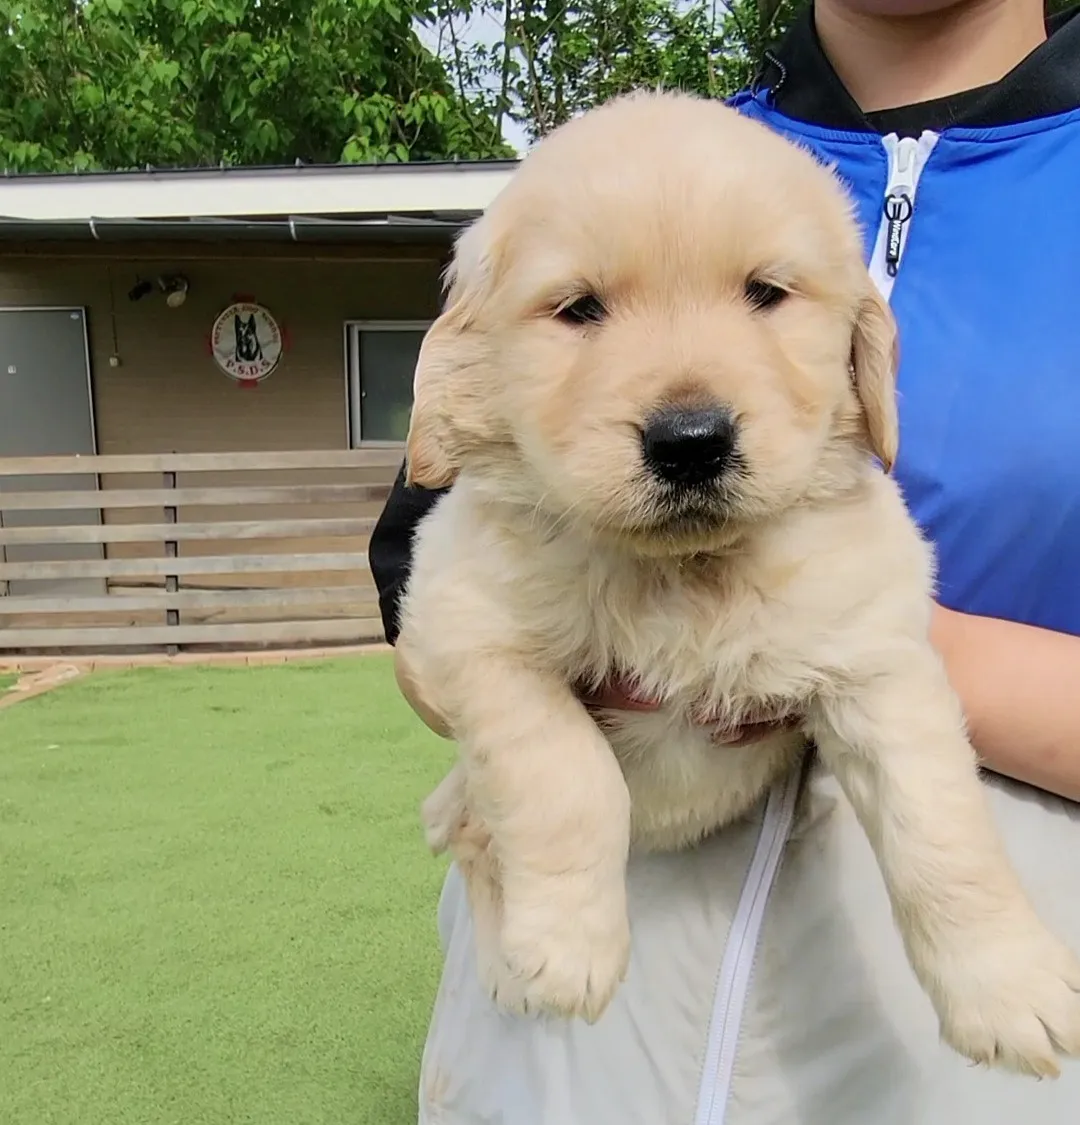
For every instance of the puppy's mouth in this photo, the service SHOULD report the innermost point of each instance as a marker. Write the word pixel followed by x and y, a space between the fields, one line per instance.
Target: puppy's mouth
pixel 676 520
pixel 691 513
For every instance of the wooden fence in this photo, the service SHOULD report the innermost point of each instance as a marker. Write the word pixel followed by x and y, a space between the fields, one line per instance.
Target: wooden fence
pixel 189 551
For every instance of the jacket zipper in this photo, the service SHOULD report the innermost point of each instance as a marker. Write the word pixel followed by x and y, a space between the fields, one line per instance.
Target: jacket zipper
pixel 907 158
pixel 733 981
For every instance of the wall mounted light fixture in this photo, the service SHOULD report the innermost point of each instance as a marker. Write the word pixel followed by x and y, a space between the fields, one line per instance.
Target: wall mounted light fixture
pixel 175 288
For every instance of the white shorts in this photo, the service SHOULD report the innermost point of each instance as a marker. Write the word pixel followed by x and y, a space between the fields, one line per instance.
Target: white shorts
pixel 767 986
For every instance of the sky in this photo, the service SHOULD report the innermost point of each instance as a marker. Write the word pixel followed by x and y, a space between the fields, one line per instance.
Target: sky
pixel 482 28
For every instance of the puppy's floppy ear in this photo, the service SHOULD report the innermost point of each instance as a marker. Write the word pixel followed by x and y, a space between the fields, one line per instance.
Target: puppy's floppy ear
pixel 875 357
pixel 431 447
pixel 429 459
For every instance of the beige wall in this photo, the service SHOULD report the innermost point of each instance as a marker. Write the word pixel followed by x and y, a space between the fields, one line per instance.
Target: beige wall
pixel 167 394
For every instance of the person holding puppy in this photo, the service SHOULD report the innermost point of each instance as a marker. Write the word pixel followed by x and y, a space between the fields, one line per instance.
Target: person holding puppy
pixel 957 128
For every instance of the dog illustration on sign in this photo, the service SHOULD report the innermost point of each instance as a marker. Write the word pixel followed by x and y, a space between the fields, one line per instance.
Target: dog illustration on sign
pixel 248 348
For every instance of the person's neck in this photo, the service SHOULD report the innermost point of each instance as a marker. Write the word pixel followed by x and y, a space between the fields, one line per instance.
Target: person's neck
pixel 886 61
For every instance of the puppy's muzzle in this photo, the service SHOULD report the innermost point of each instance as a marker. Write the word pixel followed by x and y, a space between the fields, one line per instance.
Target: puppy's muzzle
pixel 688 447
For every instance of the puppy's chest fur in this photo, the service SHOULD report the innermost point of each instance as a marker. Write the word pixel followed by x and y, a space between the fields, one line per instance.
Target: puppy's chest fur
pixel 718 635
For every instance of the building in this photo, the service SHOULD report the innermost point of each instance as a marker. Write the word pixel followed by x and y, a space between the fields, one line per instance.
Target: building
pixel 346 260
pixel 217 311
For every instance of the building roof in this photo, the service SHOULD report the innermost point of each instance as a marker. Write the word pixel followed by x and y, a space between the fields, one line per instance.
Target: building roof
pixel 337 202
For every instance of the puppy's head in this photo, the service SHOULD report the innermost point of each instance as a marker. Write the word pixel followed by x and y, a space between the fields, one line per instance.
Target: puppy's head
pixel 662 329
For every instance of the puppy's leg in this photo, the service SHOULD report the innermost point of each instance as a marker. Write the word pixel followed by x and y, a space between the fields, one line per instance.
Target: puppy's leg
pixel 545 784
pixel 1005 988
pixel 444 813
pixel 450 826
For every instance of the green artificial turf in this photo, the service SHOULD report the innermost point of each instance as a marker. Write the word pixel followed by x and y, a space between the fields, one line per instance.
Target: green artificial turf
pixel 215 901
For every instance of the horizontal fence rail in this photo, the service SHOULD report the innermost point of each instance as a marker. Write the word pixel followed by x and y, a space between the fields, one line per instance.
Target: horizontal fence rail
pixel 148 552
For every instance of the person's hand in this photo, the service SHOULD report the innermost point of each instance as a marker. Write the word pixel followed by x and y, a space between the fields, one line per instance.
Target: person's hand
pixel 618 695
pixel 622 695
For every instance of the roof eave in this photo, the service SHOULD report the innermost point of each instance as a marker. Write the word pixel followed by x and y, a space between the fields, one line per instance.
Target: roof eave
pixel 256 193
pixel 296 228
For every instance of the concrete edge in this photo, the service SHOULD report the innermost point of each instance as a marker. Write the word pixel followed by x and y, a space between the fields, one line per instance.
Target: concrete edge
pixel 92 663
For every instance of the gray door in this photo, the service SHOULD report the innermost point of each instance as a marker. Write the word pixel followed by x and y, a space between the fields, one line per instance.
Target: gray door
pixel 45 408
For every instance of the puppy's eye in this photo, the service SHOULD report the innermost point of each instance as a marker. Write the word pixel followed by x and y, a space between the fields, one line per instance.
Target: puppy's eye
pixel 588 309
pixel 762 295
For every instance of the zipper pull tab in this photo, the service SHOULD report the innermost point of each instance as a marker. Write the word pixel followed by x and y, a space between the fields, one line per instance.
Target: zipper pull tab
pixel 897 213
pixel 907 157
pixel 898 201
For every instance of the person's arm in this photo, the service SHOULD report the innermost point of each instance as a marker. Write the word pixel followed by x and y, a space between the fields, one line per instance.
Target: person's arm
pixel 1018 685
pixel 1020 690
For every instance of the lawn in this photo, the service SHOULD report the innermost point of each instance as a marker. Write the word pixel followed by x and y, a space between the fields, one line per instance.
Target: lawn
pixel 215 902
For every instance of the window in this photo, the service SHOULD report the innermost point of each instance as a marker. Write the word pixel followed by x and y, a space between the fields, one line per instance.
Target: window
pixel 381 359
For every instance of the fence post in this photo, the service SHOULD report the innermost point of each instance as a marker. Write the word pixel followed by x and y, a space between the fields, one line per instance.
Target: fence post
pixel 4 588
pixel 172 581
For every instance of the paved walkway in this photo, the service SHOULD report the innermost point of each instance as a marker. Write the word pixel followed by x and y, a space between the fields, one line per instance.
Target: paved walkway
pixel 143 660
pixel 38 674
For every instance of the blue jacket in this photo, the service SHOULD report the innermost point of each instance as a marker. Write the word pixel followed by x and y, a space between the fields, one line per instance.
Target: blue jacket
pixel 986 293
pixel 981 263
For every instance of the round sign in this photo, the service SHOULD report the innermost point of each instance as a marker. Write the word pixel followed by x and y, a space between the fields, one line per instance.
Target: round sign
pixel 246 342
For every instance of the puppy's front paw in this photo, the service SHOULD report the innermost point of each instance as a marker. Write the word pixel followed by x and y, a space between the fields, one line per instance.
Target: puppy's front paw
pixel 1008 996
pixel 444 813
pixel 565 948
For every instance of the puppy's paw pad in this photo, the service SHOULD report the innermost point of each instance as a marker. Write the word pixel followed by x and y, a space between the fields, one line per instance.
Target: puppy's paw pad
pixel 564 965
pixel 569 982
pixel 1020 1010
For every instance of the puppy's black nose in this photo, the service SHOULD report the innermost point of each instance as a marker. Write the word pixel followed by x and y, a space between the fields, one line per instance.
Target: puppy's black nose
pixel 688 447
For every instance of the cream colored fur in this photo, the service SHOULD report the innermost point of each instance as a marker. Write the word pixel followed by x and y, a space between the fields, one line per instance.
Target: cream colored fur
pixel 550 563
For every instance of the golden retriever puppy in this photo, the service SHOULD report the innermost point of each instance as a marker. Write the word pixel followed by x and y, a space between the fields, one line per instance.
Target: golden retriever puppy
pixel 663 389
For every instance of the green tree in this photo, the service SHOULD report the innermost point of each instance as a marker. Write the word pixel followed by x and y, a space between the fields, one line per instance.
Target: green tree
pixel 115 84
pixel 557 58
